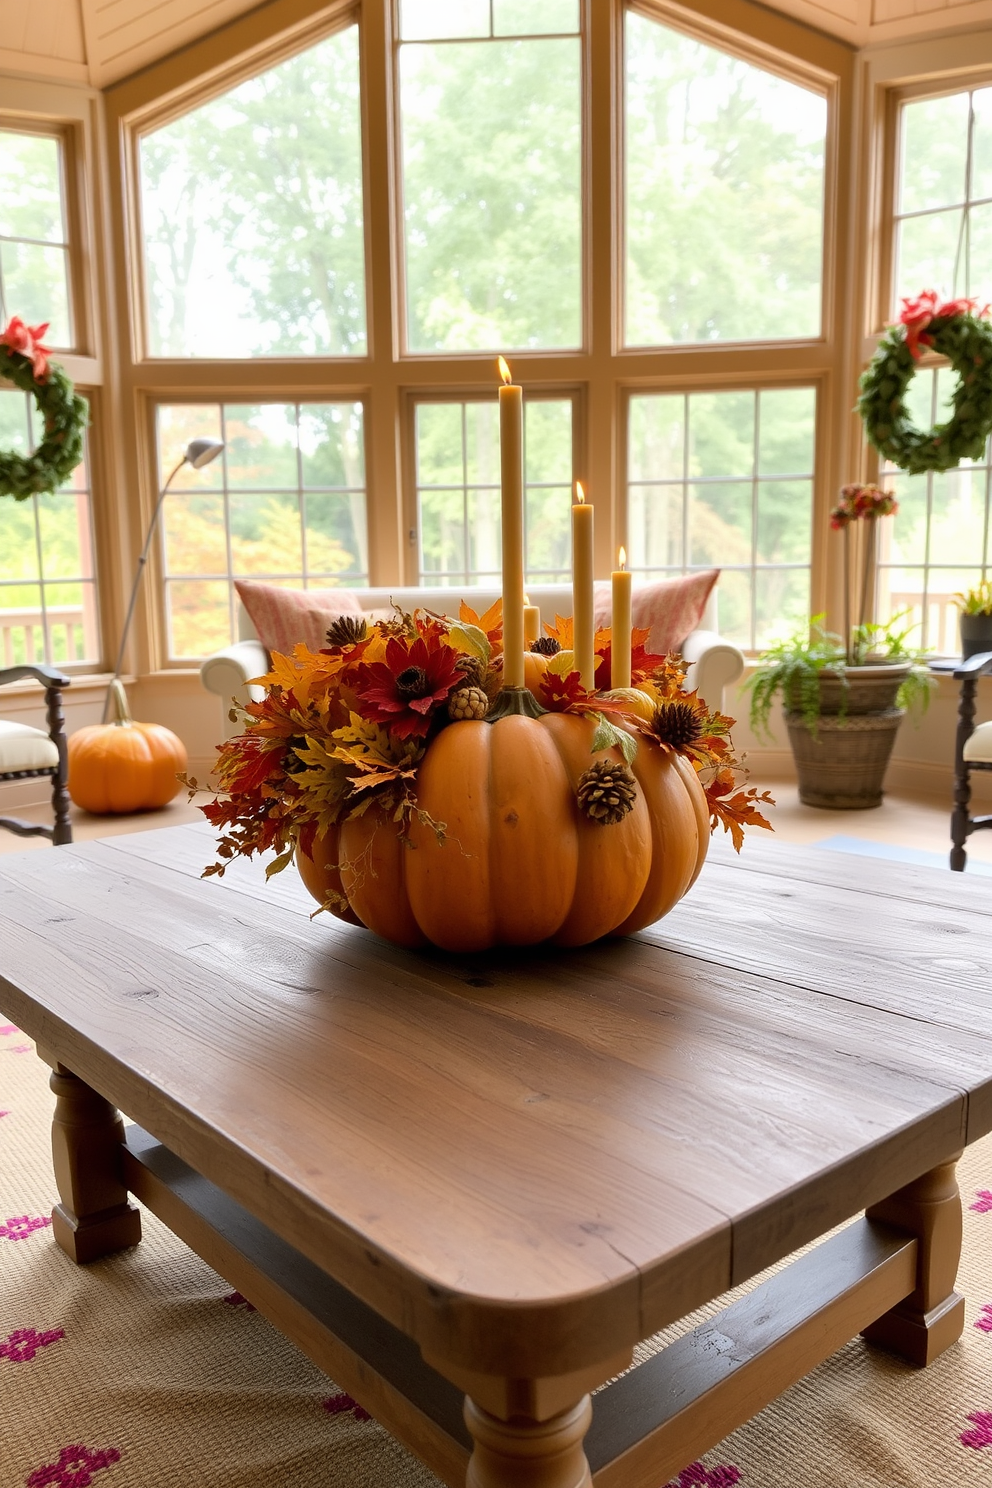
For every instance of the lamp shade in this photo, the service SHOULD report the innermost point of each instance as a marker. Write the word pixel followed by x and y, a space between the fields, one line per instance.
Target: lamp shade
pixel 200 452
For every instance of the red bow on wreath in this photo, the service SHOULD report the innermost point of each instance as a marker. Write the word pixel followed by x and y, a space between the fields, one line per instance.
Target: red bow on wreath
pixel 917 314
pixel 27 340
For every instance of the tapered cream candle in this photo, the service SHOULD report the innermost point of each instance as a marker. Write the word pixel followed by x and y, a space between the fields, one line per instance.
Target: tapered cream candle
pixel 511 458
pixel 583 616
pixel 620 626
pixel 532 623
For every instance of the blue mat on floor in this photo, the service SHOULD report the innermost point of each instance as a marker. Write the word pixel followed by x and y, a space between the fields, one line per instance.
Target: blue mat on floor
pixel 865 849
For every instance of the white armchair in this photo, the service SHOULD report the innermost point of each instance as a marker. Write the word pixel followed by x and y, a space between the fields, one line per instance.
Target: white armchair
pixel 713 662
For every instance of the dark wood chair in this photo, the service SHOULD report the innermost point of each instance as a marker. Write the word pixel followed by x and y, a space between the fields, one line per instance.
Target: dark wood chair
pixel 972 751
pixel 26 753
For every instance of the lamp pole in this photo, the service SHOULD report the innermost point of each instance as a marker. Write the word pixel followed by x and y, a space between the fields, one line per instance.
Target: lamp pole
pixel 199 452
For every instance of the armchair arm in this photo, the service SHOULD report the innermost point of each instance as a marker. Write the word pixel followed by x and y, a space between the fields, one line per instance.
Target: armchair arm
pixel 46 675
pixel 229 672
pixel 975 666
pixel 713 664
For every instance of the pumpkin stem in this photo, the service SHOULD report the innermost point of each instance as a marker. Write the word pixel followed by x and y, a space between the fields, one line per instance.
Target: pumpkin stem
pixel 514 700
pixel 119 696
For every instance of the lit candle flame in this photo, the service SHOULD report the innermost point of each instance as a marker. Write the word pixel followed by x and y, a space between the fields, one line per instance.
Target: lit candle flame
pixel 504 370
pixel 580 494
pixel 623 558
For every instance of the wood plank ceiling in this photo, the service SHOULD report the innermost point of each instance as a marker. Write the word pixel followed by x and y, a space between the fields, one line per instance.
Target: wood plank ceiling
pixel 98 42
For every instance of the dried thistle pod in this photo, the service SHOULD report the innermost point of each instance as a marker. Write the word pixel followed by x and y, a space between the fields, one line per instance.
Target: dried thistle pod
pixel 606 792
pixel 347 630
pixel 468 703
pixel 678 722
pixel 546 646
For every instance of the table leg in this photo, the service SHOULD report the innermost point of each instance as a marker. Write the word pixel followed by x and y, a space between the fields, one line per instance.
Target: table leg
pixel 95 1216
pixel 928 1321
pixel 529 1454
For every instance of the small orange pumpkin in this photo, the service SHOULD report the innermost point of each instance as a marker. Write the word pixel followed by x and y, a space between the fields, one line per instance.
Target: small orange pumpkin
pixel 124 766
pixel 520 863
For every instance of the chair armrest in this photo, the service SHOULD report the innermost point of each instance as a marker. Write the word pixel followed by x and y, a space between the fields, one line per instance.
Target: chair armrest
pixel 713 664
pixel 229 672
pixel 975 666
pixel 46 675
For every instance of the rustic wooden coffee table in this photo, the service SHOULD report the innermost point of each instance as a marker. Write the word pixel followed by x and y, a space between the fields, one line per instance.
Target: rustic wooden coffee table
pixel 490 1177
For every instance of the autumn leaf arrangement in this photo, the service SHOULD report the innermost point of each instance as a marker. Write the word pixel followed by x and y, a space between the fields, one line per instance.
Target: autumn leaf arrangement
pixel 343 729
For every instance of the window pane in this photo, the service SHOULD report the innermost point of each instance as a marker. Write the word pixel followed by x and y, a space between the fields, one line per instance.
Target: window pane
pixel 926 253
pixel 34 265
pixel 249 512
pixel 934 153
pixel 252 209
pixel 981 145
pixel 429 20
pixel 492 198
pixel 31 188
pixel 458 491
pixel 524 18
pixel 47 538
pixel 724 173
pixel 756 529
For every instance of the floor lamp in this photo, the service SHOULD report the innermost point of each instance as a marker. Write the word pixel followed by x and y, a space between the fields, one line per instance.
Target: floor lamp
pixel 199 452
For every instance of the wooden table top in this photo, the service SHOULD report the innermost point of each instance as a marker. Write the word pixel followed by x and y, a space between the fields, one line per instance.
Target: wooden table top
pixel 532 1157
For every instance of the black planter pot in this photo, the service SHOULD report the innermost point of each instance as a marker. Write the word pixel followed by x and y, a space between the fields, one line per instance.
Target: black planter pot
pixel 976 635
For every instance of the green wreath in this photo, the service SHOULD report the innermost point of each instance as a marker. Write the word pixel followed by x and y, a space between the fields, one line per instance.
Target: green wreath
pixel 965 339
pixel 64 414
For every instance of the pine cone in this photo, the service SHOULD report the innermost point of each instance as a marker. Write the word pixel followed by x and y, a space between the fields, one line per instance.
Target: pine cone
pixel 546 646
pixel 347 630
pixel 606 792
pixel 677 722
pixel 468 702
pixel 472 669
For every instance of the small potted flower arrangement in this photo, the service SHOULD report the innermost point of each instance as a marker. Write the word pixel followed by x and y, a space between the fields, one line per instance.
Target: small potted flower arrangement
pixel 975 619
pixel 421 798
pixel 844 696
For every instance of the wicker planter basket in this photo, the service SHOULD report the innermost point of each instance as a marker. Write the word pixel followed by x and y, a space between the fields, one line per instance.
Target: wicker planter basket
pixel 843 767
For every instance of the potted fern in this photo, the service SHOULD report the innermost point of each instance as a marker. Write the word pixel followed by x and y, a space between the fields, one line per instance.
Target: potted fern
pixel 844 697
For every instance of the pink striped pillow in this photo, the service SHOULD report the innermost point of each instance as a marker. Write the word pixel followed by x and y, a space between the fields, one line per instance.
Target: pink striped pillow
pixel 672 608
pixel 284 617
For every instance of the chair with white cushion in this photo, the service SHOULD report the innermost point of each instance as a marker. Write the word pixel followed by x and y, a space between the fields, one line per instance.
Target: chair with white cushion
pixel 972 751
pixel 27 753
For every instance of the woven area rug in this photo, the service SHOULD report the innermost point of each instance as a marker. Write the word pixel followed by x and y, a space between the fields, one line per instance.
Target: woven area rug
pixel 146 1371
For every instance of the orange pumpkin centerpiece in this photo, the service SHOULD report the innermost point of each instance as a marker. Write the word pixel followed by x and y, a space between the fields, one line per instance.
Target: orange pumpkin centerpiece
pixel 520 860
pixel 421 798
pixel 124 766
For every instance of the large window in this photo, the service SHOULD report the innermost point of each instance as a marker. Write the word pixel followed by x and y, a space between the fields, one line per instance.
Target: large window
pixel 724 195
pixel 458 492
pixel 48 609
pixel 725 480
pixel 633 210
pixel 252 215
pixel 285 502
pixel 938 543
pixel 491 111
pixel 34 240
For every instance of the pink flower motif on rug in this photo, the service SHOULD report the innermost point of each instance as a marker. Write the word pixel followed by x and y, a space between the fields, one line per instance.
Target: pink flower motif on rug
pixel 17 1049
pixel 235 1299
pixel 698 1476
pixel 982 1434
pixel 337 1405
pixel 74 1468
pixel 4 1113
pixel 22 1225
pixel 9 1028
pixel 24 1343
pixel 985 1321
pixel 984 1203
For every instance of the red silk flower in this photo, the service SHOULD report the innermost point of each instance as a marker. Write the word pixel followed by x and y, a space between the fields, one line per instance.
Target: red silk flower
pixel 917 314
pixel 27 340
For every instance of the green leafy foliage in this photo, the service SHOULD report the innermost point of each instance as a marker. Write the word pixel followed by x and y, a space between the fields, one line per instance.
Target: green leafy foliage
pixel 966 341
pixel 64 416
pixel 792 669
